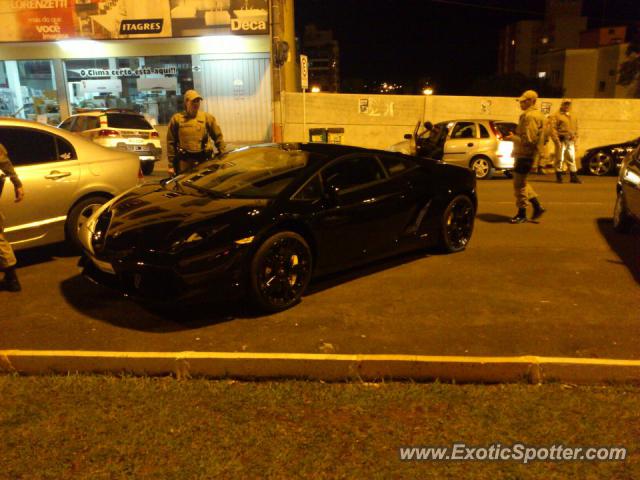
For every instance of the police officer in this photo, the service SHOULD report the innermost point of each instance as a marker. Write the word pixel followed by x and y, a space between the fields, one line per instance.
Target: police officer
pixel 565 133
pixel 7 257
pixel 526 143
pixel 190 134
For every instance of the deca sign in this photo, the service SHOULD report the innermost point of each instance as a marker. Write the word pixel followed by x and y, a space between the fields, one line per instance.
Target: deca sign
pixel 249 17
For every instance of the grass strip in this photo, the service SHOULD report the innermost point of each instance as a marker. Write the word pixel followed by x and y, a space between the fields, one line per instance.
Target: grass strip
pixel 96 427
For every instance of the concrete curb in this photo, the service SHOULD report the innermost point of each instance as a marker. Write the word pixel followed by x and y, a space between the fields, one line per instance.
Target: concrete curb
pixel 329 367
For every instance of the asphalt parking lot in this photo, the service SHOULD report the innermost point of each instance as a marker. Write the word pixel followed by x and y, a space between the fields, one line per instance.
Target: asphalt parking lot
pixel 568 286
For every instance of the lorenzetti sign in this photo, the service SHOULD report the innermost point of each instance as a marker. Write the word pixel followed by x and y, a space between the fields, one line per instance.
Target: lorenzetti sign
pixel 48 20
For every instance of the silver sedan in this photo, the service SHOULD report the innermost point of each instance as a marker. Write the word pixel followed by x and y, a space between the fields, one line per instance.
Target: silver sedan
pixel 65 177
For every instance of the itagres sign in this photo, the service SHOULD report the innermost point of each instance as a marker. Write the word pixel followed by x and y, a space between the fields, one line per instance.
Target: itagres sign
pixel 141 27
pixel 48 20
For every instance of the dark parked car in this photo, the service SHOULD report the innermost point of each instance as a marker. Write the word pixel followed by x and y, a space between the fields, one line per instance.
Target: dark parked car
pixel 606 160
pixel 627 209
pixel 263 220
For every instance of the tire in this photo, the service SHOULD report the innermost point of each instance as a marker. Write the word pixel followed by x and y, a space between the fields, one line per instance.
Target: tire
pixel 600 163
pixel 456 224
pixel 622 221
pixel 147 167
pixel 280 272
pixel 76 217
pixel 483 168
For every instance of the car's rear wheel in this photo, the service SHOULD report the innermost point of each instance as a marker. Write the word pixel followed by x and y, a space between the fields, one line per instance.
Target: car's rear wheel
pixel 482 167
pixel 147 167
pixel 622 221
pixel 78 215
pixel 457 224
pixel 601 163
pixel 280 271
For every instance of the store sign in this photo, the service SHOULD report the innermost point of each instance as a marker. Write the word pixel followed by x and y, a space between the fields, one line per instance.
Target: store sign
pixel 249 17
pixel 141 27
pixel 37 19
pixel 123 72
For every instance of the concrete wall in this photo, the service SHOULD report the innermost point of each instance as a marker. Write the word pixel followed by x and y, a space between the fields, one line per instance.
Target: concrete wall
pixel 378 121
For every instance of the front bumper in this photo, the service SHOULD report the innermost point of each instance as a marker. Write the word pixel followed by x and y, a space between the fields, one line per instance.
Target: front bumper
pixel 166 278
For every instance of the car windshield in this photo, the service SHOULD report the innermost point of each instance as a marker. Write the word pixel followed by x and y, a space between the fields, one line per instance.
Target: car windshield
pixel 126 120
pixel 256 172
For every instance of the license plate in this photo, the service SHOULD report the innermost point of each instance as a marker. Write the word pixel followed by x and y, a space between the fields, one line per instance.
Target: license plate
pixel 105 267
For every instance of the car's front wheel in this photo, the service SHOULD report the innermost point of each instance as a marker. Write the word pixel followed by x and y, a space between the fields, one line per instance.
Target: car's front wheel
pixel 280 271
pixel 600 163
pixel 457 224
pixel 622 221
pixel 482 167
pixel 78 215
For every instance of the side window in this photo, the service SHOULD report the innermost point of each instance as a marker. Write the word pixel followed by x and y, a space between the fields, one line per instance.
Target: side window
pixel 28 146
pixel 67 123
pixel 312 190
pixel 396 166
pixel 65 150
pixel 464 130
pixel 80 125
pixel 352 173
pixel 92 123
pixel 484 133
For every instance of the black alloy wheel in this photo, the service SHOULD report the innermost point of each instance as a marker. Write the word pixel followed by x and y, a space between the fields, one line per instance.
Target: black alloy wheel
pixel 280 271
pixel 457 224
pixel 600 163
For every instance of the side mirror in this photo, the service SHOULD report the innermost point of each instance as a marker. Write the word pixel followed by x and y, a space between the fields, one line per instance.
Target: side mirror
pixel 408 136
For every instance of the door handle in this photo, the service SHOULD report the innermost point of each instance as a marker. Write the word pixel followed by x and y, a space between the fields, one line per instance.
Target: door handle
pixel 56 175
pixel 470 144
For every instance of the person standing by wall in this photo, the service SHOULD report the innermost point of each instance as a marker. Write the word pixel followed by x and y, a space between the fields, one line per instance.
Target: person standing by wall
pixel 526 143
pixel 564 126
pixel 7 257
pixel 190 134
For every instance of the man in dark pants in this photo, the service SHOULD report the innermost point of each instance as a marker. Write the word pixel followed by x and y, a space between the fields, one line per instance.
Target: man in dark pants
pixel 189 136
pixel 7 258
pixel 526 142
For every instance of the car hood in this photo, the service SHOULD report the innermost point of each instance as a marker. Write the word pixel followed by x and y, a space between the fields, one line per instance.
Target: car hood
pixel 151 215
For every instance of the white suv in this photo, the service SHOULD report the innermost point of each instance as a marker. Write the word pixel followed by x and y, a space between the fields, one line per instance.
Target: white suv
pixel 120 129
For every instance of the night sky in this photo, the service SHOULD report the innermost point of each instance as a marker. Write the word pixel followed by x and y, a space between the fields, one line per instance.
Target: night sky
pixel 450 42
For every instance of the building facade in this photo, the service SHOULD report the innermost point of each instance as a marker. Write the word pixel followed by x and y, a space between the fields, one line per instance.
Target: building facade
pixel 143 55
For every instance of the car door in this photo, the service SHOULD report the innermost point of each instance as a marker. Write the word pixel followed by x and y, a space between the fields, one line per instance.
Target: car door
pixel 461 143
pixel 356 223
pixel 48 168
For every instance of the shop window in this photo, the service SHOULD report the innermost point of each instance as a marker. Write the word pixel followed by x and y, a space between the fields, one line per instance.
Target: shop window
pixel 152 86
pixel 28 90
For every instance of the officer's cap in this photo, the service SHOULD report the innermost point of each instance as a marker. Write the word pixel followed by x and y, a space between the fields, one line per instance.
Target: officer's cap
pixel 528 95
pixel 191 95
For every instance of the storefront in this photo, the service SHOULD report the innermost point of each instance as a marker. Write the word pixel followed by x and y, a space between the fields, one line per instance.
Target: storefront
pixel 141 56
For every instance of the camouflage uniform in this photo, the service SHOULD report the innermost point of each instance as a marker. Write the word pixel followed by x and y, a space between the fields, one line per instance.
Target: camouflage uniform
pixel 189 140
pixel 527 141
pixel 7 258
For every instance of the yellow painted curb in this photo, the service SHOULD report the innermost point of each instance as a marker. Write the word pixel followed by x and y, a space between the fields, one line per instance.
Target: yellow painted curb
pixel 321 366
